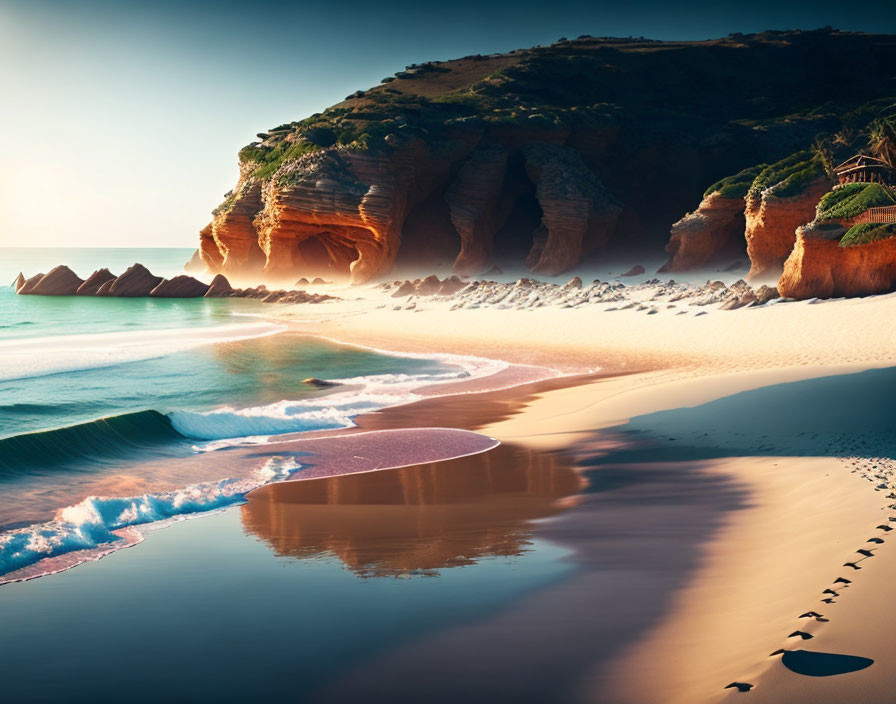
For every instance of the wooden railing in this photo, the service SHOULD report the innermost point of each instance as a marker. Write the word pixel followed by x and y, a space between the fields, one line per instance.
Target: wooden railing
pixel 886 214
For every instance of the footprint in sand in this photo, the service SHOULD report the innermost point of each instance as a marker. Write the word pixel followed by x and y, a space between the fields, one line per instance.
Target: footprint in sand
pixel 852 564
pixel 866 553
pixel 740 686
pixel 801 634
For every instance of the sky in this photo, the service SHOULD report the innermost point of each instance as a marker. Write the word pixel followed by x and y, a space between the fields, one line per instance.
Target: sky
pixel 120 120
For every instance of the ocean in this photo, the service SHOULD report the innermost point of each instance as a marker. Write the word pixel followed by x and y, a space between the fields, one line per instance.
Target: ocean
pixel 96 392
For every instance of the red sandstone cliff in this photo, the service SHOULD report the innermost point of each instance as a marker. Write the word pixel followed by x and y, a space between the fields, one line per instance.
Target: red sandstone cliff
pixel 701 235
pixel 821 268
pixel 771 224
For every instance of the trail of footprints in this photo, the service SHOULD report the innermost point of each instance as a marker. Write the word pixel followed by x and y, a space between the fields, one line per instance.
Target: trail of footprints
pixel 880 471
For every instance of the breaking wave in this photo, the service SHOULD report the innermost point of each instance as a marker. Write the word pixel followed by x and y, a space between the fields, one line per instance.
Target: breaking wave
pixel 101 523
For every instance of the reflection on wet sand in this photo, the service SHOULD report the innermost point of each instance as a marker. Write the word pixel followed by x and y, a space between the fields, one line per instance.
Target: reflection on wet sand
pixel 416 519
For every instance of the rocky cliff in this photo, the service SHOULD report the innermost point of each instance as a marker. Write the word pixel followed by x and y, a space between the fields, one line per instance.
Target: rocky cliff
pixel 540 157
pixel 819 267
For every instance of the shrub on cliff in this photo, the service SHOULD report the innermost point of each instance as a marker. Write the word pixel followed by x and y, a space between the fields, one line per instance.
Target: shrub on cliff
pixel 853 199
pixel 790 176
pixel 866 233
pixel 736 186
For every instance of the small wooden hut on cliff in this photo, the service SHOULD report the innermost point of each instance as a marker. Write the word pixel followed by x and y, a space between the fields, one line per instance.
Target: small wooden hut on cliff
pixel 865 169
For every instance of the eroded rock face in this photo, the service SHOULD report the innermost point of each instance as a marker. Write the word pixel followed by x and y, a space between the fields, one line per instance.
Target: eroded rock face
pixel 19 282
pixel 136 281
pixel 182 286
pixel 29 285
pixel 92 283
pixel 821 268
pixel 578 212
pixel 771 225
pixel 475 208
pixel 701 235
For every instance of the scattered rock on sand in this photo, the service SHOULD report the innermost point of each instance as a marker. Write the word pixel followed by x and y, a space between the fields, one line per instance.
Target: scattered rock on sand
pixel 182 286
pixel 429 286
pixel 764 294
pixel 93 282
pixel 450 286
pixel 636 270
pixel 136 281
pixel 406 289
pixel 219 288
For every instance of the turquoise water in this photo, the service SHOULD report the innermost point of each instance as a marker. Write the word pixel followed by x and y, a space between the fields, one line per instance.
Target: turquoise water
pixel 33 316
pixel 93 389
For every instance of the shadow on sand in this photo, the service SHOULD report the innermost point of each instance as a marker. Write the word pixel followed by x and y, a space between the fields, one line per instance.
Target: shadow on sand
pixel 812 664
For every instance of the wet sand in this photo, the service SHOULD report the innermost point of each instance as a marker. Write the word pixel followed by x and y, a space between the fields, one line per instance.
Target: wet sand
pixel 692 562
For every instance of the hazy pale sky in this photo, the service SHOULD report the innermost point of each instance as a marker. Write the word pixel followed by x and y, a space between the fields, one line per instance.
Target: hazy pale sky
pixel 120 120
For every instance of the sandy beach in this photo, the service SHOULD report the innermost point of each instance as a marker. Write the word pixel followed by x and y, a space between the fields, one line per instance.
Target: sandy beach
pixel 734 544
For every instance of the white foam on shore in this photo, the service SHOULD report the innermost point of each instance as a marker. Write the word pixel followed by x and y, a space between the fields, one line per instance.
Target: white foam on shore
pixel 99 525
pixel 364 394
pixel 38 356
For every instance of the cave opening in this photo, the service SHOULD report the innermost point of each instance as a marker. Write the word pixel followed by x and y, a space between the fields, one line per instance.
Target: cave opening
pixel 322 255
pixel 514 239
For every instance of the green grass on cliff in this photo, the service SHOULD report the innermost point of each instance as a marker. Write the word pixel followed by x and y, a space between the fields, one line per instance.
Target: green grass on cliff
pixel 736 186
pixel 790 176
pixel 866 233
pixel 853 199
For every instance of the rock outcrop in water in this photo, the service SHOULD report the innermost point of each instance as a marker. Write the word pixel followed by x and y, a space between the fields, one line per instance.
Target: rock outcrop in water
pixel 137 281
pixel 92 283
pixel 60 281
pixel 540 157
pixel 180 287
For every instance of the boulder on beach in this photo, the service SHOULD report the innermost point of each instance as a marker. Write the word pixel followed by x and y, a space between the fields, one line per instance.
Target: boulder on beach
pixel 136 281
pixel 302 282
pixel 19 282
pixel 92 283
pixel 429 285
pixel 636 270
pixel 29 285
pixel 406 289
pixel 574 282
pixel 219 287
pixel 451 285
pixel 317 281
pixel 181 286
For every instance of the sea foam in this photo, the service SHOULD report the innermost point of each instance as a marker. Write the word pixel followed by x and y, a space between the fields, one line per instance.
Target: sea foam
pixel 98 522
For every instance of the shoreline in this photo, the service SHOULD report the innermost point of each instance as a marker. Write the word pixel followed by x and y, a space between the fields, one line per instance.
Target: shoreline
pixel 704 605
